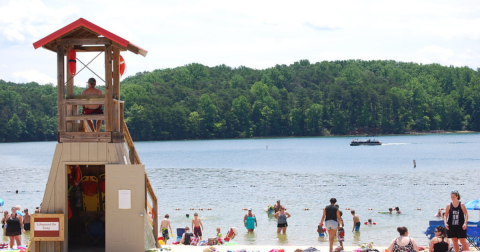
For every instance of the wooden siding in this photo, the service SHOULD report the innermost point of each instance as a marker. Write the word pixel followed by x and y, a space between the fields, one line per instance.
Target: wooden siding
pixel 55 197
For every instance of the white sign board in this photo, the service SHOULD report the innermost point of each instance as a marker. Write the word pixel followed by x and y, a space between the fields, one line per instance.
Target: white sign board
pixel 124 199
pixel 46 226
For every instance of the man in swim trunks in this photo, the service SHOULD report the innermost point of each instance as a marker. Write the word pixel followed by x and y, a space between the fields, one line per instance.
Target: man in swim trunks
pixel 26 220
pixel 197 226
pixel 356 221
pixel 164 226
pixel 92 108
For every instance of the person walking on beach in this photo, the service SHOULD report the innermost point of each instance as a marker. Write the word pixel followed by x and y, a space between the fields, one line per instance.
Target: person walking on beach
pixel 332 219
pixel 164 226
pixel 439 243
pixel 403 242
pixel 356 221
pixel 250 221
pixel 14 228
pixel 197 226
pixel 282 216
pixel 456 218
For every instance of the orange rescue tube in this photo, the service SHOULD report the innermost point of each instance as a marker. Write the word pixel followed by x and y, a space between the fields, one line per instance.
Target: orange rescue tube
pixel 72 62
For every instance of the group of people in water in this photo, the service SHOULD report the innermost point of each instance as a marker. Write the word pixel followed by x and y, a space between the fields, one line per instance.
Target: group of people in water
pixel 455 229
pixel 14 224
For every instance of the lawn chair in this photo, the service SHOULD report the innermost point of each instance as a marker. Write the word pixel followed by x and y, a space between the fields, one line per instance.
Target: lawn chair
pixel 473 237
pixel 96 232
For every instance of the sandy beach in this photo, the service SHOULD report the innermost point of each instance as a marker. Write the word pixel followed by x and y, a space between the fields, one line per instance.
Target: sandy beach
pixel 255 248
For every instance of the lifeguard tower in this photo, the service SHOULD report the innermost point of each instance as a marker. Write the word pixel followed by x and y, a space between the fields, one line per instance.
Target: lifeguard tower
pixel 97 184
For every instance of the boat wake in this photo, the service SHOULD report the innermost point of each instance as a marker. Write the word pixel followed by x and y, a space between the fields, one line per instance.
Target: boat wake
pixel 394 143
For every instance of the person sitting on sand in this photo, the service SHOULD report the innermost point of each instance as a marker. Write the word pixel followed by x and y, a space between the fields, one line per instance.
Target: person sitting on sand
pixel 439 243
pixel 186 237
pixel 403 242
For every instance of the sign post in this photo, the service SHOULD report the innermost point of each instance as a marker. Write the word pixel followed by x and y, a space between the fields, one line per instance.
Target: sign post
pixel 47 227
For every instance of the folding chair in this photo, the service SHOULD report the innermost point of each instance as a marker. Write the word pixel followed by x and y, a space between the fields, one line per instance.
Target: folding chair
pixel 473 237
pixel 96 232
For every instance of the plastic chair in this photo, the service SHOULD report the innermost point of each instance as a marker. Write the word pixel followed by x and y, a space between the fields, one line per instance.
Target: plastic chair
pixel 180 232
pixel 96 232
pixel 473 237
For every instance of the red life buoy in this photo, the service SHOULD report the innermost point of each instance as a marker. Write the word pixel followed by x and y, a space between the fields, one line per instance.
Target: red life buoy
pixel 72 62
pixel 122 65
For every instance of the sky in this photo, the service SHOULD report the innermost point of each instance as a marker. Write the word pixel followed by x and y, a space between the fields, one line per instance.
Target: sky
pixel 257 34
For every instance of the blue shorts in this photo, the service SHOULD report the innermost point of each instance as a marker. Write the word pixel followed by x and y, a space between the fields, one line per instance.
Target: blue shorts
pixel 331 225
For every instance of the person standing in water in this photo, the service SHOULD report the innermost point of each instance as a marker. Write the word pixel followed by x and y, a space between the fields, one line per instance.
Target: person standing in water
pixel 456 218
pixel 282 216
pixel 356 221
pixel 332 219
pixel 250 221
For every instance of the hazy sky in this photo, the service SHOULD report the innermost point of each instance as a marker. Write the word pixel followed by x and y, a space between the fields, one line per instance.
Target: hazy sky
pixel 254 33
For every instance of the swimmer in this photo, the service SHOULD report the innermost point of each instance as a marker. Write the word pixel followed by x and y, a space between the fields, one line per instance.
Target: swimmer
pixel 398 210
pixel 390 210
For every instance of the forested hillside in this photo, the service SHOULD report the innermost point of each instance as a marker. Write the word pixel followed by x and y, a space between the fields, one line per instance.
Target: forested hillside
pixel 302 99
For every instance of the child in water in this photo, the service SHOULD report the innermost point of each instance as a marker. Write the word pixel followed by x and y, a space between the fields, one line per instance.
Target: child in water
pixel 321 230
pixel 341 232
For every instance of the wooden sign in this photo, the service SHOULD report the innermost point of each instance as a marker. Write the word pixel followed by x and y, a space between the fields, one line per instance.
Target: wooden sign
pixel 47 227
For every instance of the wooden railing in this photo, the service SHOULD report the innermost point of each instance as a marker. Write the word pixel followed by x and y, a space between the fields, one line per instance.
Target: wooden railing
pixel 151 206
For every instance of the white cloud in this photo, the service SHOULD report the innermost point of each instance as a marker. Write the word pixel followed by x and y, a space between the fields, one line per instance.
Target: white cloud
pixel 33 76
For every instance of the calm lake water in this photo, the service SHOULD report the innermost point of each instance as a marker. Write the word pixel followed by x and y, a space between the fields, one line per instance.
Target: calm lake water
pixel 304 173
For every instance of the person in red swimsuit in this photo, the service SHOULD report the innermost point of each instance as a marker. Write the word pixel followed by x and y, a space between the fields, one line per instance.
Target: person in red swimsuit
pixel 93 108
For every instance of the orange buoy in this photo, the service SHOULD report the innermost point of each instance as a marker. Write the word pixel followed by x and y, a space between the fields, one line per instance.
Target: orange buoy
pixel 370 209
pixel 419 209
pixel 374 223
pixel 348 208
pixel 201 209
pixel 192 208
pixel 72 62
pixel 209 209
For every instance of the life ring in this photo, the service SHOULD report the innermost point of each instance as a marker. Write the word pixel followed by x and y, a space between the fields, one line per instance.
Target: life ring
pixel 72 62
pixel 122 66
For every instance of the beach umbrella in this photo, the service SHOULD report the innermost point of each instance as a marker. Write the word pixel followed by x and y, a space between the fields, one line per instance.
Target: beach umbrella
pixel 473 205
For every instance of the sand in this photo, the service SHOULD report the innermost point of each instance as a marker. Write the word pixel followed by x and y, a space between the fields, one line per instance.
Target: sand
pixel 254 248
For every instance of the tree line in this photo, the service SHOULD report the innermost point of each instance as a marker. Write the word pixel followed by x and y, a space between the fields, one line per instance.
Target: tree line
pixel 302 99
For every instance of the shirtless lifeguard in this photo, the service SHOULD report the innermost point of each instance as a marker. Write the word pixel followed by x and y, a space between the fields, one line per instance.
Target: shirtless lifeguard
pixel 93 108
pixel 197 226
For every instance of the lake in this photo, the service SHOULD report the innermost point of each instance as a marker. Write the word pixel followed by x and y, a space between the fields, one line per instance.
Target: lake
pixel 304 173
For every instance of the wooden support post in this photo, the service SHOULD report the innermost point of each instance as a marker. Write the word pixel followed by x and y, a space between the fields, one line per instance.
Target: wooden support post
pixel 116 89
pixel 61 88
pixel 108 89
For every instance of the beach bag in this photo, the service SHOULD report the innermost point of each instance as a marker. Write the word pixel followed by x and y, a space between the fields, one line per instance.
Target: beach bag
pixel 212 241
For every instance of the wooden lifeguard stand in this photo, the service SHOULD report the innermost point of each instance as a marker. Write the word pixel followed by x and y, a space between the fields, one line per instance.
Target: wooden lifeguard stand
pixel 124 202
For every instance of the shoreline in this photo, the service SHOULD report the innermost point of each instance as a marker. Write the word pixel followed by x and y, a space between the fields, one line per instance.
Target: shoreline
pixel 259 248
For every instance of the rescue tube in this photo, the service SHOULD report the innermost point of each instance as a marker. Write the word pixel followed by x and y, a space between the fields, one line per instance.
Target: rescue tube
pixel 74 176
pixel 72 62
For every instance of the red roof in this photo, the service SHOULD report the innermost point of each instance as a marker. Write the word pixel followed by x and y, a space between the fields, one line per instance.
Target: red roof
pixel 82 28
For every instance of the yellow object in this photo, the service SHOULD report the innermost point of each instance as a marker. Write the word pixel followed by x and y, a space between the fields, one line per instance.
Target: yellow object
pixel 161 242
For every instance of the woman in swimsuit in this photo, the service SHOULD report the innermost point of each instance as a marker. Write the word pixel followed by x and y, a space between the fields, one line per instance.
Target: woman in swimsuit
pixel 403 243
pixel 14 228
pixel 282 216
pixel 439 243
